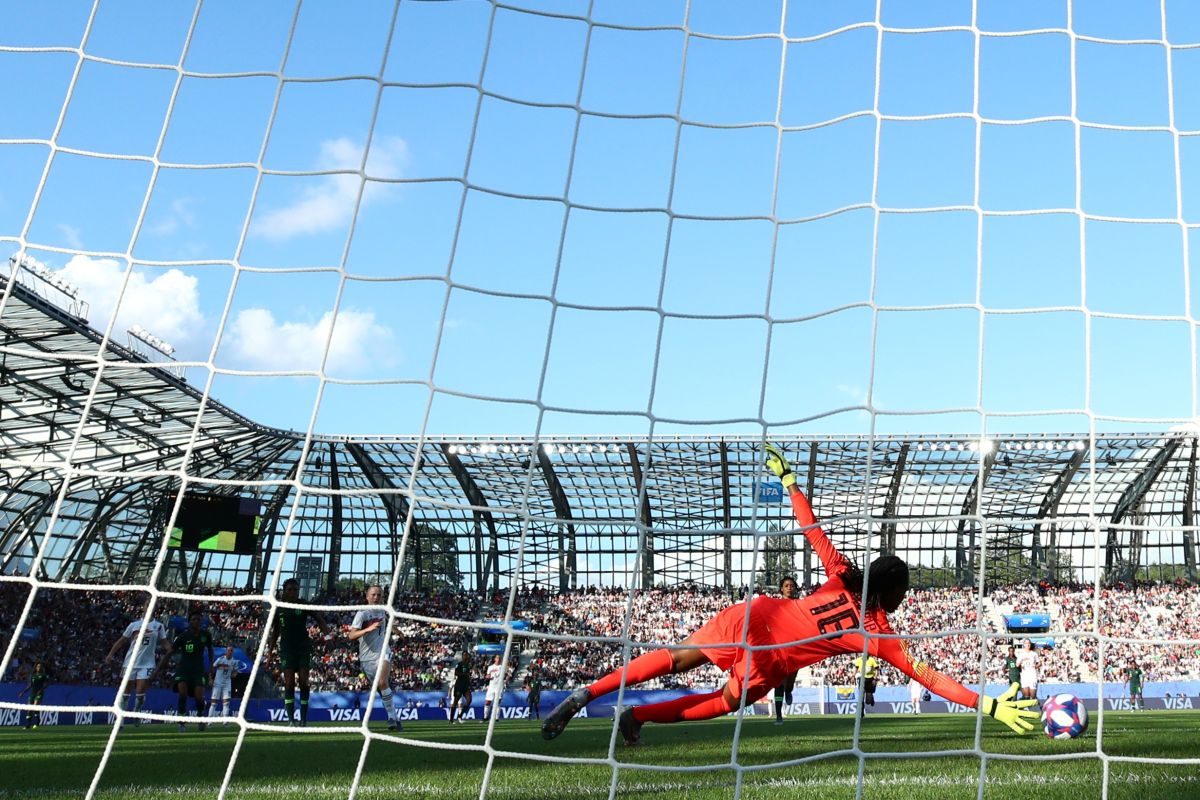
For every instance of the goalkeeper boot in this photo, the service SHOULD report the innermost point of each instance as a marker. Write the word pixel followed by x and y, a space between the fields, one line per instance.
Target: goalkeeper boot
pixel 556 720
pixel 629 727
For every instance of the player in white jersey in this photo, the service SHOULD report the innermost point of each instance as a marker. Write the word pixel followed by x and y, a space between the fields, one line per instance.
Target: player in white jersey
pixel 223 670
pixel 140 644
pixel 370 628
pixel 1027 660
pixel 495 688
pixel 915 691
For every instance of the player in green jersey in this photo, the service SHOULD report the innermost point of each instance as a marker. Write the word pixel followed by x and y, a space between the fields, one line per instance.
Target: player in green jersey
pixel 460 693
pixel 39 679
pixel 1011 666
pixel 534 685
pixel 290 633
pixel 1133 678
pixel 190 675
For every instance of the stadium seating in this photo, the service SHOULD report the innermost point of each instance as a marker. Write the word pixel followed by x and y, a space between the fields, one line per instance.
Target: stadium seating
pixel 74 629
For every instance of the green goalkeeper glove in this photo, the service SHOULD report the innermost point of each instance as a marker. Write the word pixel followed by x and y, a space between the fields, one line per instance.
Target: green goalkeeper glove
pixel 1008 711
pixel 780 466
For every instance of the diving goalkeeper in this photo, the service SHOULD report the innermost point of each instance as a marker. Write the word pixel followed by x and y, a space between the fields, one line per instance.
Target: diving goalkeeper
pixel 832 608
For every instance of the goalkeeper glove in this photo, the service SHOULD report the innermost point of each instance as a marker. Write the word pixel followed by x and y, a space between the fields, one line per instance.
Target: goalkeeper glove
pixel 780 466
pixel 1009 711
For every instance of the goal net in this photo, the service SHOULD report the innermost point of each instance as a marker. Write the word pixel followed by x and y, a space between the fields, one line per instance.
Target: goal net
pixel 494 306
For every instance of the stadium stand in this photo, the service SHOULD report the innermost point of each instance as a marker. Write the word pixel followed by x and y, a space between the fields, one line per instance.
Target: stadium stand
pixel 74 628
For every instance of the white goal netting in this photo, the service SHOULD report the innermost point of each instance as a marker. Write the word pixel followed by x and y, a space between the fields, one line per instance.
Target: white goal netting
pixel 298 233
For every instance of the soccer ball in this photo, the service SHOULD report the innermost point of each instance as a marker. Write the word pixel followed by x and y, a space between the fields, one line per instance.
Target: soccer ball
pixel 1064 717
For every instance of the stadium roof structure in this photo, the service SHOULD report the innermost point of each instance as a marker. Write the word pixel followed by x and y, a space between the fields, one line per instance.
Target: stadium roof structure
pixel 91 467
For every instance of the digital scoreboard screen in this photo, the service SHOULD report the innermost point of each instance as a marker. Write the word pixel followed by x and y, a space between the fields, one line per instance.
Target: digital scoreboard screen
pixel 217 523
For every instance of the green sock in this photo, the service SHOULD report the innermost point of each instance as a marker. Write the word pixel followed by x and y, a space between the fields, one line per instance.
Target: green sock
pixel 289 705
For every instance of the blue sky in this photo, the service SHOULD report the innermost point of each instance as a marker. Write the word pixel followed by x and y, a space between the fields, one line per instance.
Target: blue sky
pixel 641 223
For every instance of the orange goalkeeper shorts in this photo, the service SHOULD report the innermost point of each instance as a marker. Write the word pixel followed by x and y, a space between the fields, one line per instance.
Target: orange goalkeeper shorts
pixel 766 668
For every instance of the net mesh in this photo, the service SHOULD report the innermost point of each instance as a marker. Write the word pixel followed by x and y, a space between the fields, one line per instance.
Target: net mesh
pixel 770 137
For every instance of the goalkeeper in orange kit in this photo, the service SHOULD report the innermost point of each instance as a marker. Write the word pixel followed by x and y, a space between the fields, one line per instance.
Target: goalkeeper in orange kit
pixel 824 624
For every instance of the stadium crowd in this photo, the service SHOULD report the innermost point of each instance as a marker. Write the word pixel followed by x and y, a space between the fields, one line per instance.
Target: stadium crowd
pixel 71 630
pixel 1157 611
pixel 927 612
pixel 657 616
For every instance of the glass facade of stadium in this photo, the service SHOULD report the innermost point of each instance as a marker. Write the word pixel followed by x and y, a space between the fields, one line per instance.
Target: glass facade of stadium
pixel 91 467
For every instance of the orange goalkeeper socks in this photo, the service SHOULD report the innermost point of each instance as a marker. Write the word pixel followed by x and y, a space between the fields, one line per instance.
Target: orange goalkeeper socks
pixel 654 664
pixel 690 706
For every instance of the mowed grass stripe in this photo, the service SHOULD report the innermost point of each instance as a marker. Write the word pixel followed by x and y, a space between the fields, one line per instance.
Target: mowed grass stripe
pixel 156 759
pixel 1032 783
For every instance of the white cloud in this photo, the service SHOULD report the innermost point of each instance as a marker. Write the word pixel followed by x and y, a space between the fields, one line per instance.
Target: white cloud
pixel 855 393
pixel 256 340
pixel 164 303
pixel 329 203
pixel 181 215
pixel 71 234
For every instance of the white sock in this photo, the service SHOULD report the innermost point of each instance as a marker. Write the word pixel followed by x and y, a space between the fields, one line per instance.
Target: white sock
pixel 385 696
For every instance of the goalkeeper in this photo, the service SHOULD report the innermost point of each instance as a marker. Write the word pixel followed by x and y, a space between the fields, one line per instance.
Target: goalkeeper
pixel 826 613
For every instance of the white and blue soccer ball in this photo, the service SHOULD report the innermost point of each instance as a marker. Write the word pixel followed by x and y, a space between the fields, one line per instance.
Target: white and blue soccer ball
pixel 1064 717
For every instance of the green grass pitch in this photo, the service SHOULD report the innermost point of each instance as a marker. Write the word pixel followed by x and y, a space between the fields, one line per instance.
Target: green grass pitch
pixel 158 761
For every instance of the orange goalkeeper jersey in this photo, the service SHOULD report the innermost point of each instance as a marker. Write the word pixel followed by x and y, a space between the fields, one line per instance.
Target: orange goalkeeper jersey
pixel 833 608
